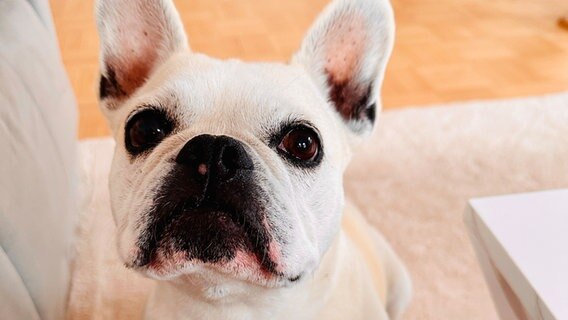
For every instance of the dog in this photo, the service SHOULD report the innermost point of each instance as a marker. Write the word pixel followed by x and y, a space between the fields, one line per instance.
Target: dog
pixel 227 177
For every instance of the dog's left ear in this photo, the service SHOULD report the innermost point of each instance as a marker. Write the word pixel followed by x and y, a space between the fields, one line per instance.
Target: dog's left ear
pixel 346 52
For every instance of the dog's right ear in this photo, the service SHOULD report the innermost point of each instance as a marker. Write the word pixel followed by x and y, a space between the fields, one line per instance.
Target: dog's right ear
pixel 135 37
pixel 346 53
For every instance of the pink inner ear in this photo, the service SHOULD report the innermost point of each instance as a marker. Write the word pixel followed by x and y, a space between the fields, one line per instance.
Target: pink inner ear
pixel 345 50
pixel 138 53
pixel 136 35
pixel 345 47
pixel 133 74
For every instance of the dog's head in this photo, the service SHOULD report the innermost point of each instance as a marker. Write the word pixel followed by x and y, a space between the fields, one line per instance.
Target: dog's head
pixel 229 168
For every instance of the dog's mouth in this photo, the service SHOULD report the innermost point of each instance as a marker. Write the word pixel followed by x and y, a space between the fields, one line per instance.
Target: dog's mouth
pixel 219 236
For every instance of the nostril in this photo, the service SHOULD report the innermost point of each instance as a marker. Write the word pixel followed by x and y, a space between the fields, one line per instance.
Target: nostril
pixel 230 158
pixel 234 157
pixel 196 151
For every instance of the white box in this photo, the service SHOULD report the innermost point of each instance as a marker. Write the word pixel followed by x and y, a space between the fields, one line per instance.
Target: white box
pixel 521 242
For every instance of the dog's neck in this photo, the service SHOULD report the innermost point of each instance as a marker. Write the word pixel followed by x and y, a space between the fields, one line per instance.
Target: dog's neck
pixel 305 300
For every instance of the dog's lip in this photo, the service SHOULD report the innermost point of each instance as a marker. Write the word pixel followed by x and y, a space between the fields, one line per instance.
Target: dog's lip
pixel 186 207
pixel 164 270
pixel 188 267
pixel 159 256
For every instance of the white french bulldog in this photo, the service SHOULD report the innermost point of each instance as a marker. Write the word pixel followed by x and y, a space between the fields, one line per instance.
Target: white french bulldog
pixel 226 183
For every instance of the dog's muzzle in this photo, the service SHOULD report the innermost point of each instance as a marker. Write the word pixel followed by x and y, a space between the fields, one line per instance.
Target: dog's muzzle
pixel 209 208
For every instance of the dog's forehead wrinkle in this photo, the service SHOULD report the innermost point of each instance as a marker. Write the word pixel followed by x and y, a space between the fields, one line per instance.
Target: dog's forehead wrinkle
pixel 242 77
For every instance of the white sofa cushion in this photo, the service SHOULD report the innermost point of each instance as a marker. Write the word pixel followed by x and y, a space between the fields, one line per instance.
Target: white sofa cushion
pixel 38 184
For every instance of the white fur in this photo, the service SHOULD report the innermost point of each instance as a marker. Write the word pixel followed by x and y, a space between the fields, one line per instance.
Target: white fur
pixel 243 101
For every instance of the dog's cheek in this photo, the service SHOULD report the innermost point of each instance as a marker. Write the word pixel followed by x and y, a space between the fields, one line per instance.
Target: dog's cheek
pixel 126 204
pixel 326 206
pixel 297 232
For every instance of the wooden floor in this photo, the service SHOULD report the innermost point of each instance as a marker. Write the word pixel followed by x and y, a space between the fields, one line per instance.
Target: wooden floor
pixel 446 50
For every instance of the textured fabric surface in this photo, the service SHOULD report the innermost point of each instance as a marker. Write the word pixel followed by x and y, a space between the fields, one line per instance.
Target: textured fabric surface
pixel 37 167
pixel 414 177
pixel 412 180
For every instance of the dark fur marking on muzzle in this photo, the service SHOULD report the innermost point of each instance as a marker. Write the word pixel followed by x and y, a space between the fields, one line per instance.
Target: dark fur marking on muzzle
pixel 207 216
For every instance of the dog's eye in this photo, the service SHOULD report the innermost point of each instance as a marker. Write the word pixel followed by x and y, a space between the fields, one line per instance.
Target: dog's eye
pixel 301 144
pixel 145 130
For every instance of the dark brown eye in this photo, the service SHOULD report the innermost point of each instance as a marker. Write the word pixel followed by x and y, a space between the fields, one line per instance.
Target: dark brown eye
pixel 145 130
pixel 301 143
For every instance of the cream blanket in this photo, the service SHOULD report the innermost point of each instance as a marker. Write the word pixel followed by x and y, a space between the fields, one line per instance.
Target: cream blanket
pixel 411 179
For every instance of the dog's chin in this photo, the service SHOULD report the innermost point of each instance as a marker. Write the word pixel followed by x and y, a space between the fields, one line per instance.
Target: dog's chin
pixel 244 267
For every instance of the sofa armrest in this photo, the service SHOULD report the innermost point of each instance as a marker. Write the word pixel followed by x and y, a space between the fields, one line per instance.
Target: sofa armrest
pixel 38 166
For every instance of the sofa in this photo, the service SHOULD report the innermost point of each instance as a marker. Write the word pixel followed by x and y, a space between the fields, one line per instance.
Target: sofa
pixel 38 167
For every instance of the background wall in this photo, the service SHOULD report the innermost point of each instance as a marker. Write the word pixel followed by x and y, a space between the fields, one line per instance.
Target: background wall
pixel 446 50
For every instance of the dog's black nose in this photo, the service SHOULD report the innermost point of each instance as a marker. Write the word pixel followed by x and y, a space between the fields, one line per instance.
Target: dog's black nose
pixel 218 157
